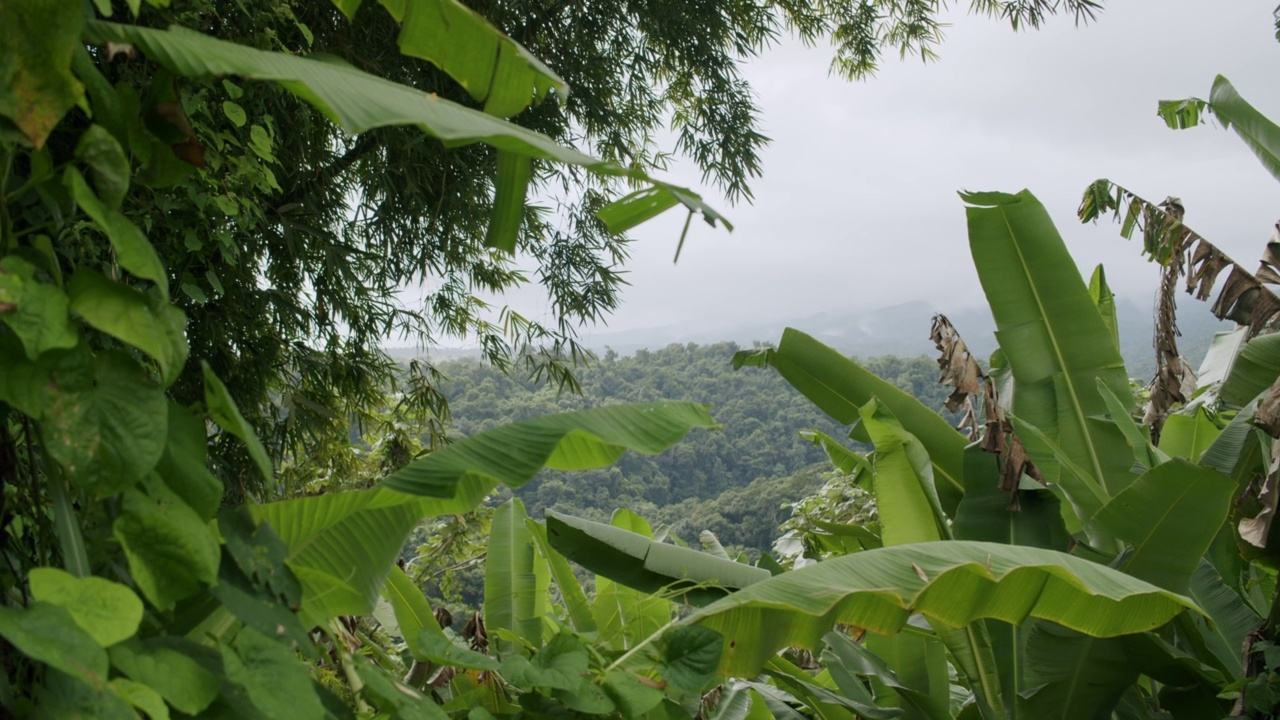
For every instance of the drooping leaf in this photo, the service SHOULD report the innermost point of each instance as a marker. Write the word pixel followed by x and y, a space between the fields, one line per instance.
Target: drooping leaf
pixel 37 312
pixel 846 461
pixel 495 69
pixel 341 544
pixel 108 611
pixel 181 680
pixel 511 185
pixel 515 583
pixel 171 553
pixel 223 410
pixel 581 440
pixel 107 422
pixel 1258 132
pixel 37 41
pixel 839 387
pixel 954 582
pixel 147 323
pixel 636 561
pixel 1051 332
pixel 358 101
pixel 49 634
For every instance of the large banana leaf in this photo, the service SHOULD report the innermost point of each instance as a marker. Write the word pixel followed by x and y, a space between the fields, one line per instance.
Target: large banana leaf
pixel 840 387
pixel 902 481
pixel 1259 133
pixel 358 101
pixel 1051 332
pixel 515 582
pixel 954 582
pixel 625 616
pixel 578 440
pixel 1254 370
pixel 1188 434
pixel 1169 517
pixel 571 592
pixel 987 512
pixel 1102 297
pixel 341 545
pixel 635 560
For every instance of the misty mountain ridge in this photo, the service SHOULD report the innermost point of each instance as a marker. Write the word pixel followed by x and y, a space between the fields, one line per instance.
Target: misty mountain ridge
pixel 901 329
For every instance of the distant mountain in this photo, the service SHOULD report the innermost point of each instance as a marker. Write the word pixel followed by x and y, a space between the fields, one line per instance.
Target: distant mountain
pixel 901 329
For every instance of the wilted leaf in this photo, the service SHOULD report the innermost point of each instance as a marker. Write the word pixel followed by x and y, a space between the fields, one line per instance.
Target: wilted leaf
pixel 37 40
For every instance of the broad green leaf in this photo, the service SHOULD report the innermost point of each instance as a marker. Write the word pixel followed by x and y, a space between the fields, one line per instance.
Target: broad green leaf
pixel 182 466
pixel 988 513
pixel 341 544
pixel 393 697
pixel 1234 451
pixel 1138 438
pixel 141 697
pixel 107 424
pixel 560 665
pixel 636 561
pixel 1082 494
pixel 413 612
pixel 49 634
pixel 100 150
pixel 580 440
pixel 1070 675
pixel 254 584
pixel 492 67
pixel 571 592
pixel 632 697
pixel 108 611
pixel 38 313
pixel 954 582
pixel 132 249
pixel 223 410
pixel 515 583
pixel 440 650
pixel 234 113
pixel 358 101
pixel 271 675
pixel 1232 618
pixel 131 316
pixel 1188 436
pixel 846 657
pixel 1051 332
pixel 37 41
pixel 171 553
pixel 510 186
pixel 1259 133
pixel 27 385
pixel 690 657
pixel 902 480
pixel 624 615
pixel 1105 300
pixel 846 461
pixel 1255 369
pixel 840 387
pixel 1169 516
pixel 636 208
pixel 1219 361
pixel 826 697
pixel 182 681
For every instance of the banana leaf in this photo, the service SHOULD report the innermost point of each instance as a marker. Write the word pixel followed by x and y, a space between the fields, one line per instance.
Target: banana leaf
pixel 954 582
pixel 515 581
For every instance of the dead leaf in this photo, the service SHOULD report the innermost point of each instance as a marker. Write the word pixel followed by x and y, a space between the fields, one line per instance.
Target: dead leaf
pixel 919 572
pixel 1254 530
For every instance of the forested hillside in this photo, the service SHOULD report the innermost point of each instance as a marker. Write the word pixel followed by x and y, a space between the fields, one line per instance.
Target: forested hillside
pixel 732 481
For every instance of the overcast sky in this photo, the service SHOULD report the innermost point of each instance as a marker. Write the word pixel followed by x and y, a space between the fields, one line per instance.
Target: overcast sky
pixel 857 206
